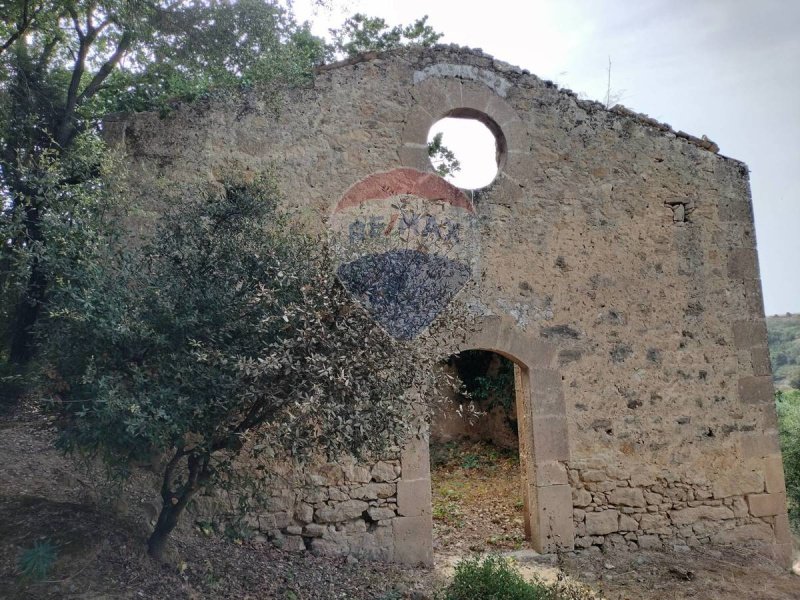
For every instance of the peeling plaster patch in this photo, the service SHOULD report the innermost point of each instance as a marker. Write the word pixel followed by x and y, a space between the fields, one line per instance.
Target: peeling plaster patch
pixel 523 314
pixel 499 84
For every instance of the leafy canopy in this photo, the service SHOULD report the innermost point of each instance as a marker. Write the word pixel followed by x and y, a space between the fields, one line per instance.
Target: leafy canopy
pixel 227 332
pixel 361 33
pixel 66 64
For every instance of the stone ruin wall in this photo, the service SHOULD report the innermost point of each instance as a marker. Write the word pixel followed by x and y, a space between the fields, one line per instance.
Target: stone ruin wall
pixel 618 268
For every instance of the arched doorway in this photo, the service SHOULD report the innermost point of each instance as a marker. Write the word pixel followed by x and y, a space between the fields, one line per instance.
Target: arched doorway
pixel 544 451
pixel 476 483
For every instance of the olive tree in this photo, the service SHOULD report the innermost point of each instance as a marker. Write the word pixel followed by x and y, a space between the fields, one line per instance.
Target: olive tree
pixel 227 331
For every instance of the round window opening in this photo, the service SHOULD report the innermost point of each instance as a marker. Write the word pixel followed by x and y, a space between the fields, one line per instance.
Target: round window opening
pixel 465 147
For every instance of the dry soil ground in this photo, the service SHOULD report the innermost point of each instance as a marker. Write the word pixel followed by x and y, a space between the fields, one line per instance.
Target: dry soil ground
pixel 99 540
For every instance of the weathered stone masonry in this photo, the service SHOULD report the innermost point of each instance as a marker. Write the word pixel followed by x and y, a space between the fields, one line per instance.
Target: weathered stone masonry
pixel 618 269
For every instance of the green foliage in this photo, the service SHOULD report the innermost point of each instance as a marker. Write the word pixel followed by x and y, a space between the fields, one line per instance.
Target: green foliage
pixel 65 65
pixel 361 33
pixel 784 349
pixel 487 378
pixel 35 563
pixel 442 158
pixel 471 461
pixel 228 332
pixel 493 578
pixel 788 407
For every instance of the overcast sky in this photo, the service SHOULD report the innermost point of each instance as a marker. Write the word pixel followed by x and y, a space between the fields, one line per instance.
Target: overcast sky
pixel 729 69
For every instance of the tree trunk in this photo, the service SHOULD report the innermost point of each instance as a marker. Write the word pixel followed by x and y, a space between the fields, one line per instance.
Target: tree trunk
pixel 167 520
pixel 173 503
pixel 26 313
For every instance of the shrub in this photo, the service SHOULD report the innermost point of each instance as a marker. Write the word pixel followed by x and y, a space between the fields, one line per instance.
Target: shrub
pixel 492 578
pixel 788 407
pixel 35 563
pixel 495 578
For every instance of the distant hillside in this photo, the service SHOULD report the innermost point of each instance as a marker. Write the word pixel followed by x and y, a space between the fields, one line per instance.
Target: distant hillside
pixel 784 349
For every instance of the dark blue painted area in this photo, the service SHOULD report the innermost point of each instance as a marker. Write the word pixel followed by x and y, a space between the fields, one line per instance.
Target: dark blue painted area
pixel 404 290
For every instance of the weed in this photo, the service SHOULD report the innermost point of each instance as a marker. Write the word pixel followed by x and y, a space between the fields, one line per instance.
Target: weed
pixel 496 578
pixel 470 461
pixel 490 578
pixel 448 512
pixel 35 563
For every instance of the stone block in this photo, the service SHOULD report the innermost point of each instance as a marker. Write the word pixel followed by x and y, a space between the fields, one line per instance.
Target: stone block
pixel 759 359
pixel 377 545
pixel 783 534
pixel 688 516
pixel 383 472
pixel 747 334
pixel 593 475
pixel 759 445
pixel 627 523
pixel 737 482
pixel 415 459
pixel 293 543
pixel 551 473
pixel 475 96
pixel 556 528
pixel 783 554
pixel 413 540
pixel 602 523
pixel 381 513
pixel 304 513
pixel 372 491
pixel 754 298
pixel 735 209
pixel 743 264
pixel 626 497
pixel 547 397
pixel 415 157
pixel 655 523
pixel 581 497
pixel 767 505
pixel 550 439
pixel 650 542
pixel 769 417
pixel 341 511
pixel 314 530
pixel 418 124
pixel 739 507
pixel 756 389
pixel 744 534
pixel 357 473
pixel 773 474
pixel 414 497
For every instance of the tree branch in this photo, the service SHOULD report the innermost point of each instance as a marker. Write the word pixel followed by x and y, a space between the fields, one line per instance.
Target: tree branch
pixel 166 482
pixel 101 75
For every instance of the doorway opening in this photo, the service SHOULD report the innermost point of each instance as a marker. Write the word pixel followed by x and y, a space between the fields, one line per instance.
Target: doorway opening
pixel 477 485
